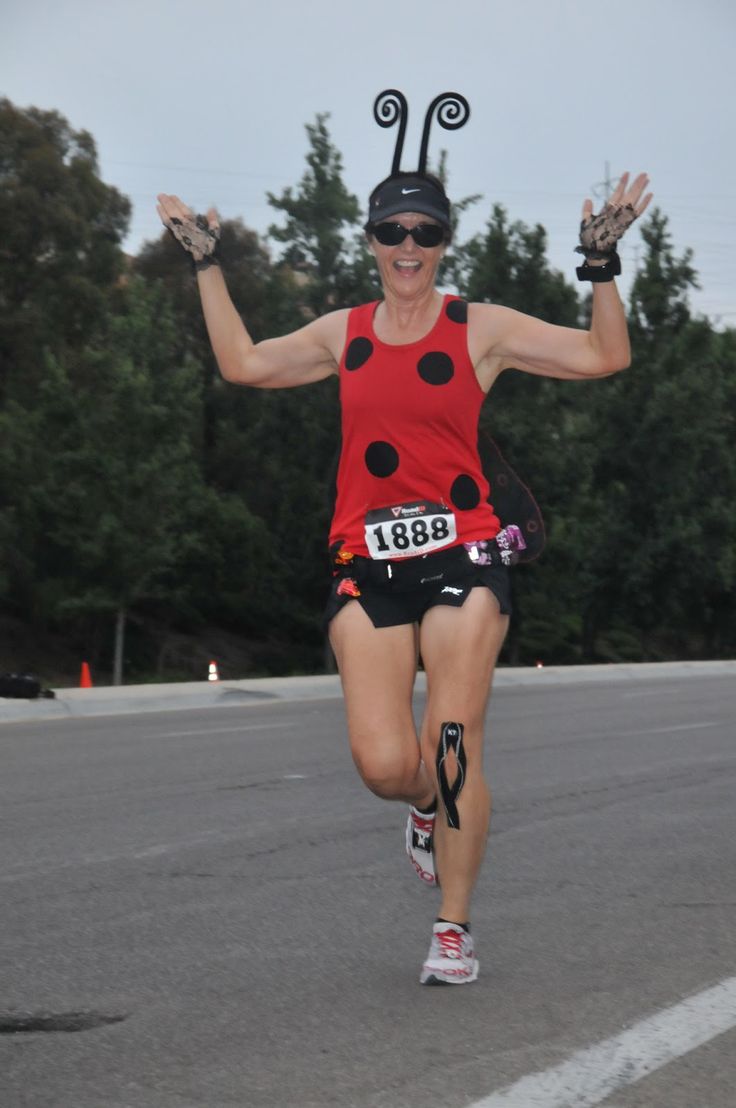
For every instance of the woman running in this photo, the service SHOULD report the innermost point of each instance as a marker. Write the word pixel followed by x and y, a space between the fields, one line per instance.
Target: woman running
pixel 420 557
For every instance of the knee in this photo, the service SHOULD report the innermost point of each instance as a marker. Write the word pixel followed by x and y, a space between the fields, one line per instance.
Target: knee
pixel 387 774
pixel 469 751
pixel 458 765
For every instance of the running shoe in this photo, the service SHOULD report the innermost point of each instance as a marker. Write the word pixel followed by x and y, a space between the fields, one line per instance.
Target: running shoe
pixel 451 959
pixel 419 833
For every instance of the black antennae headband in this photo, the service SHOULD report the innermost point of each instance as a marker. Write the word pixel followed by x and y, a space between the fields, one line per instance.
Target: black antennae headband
pixel 415 191
pixel 450 108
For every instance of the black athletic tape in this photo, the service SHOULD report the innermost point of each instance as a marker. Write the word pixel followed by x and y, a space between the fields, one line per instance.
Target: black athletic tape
pixel 451 739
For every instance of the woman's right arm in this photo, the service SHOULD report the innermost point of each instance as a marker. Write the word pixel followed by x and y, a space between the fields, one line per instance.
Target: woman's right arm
pixel 309 354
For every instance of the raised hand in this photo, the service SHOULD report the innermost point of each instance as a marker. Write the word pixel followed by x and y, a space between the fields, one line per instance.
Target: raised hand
pixel 600 233
pixel 198 234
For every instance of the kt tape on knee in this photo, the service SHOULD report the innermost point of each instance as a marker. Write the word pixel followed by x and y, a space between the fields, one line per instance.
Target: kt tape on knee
pixel 451 739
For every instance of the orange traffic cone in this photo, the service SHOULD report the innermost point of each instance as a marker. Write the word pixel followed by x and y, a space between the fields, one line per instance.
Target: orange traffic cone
pixel 85 677
pixel 213 675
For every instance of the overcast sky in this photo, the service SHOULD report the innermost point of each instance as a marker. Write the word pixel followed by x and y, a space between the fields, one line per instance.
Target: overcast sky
pixel 209 100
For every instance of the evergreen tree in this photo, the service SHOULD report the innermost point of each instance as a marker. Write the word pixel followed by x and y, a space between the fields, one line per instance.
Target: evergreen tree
pixel 272 450
pixel 325 251
pixel 508 265
pixel 545 431
pixel 62 229
pixel 112 510
pixel 138 487
pixel 322 235
pixel 665 552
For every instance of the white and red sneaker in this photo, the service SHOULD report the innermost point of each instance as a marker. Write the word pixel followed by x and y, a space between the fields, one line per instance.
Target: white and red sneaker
pixel 419 834
pixel 451 959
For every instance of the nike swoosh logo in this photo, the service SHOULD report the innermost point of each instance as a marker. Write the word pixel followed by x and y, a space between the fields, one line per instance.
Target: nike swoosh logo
pixel 405 192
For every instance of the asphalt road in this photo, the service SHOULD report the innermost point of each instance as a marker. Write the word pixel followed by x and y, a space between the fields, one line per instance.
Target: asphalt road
pixel 207 909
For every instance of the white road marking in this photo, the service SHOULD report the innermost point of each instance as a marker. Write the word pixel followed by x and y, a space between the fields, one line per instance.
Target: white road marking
pixel 591 1075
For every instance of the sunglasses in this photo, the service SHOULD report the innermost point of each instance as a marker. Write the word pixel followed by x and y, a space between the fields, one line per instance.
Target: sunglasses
pixel 424 234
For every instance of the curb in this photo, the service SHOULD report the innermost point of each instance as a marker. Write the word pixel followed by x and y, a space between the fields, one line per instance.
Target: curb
pixel 129 699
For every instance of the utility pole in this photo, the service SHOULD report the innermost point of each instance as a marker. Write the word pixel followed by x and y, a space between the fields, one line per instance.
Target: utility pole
pixel 607 185
pixel 117 665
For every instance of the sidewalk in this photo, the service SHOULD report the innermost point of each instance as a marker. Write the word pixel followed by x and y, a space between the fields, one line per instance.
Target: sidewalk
pixel 111 700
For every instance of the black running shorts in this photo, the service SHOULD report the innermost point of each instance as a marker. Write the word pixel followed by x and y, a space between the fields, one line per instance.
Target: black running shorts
pixel 390 603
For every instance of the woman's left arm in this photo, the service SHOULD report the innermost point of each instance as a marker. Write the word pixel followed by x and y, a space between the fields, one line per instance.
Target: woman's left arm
pixel 504 338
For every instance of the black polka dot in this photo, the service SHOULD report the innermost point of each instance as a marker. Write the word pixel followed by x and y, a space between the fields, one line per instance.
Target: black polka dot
pixel 457 311
pixel 381 459
pixel 358 353
pixel 436 368
pixel 464 493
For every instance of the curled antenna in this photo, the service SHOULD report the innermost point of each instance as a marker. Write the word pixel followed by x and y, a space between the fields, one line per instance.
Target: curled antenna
pixel 389 106
pixel 453 111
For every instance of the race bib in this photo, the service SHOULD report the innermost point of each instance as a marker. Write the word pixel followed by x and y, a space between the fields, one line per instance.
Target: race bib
pixel 405 530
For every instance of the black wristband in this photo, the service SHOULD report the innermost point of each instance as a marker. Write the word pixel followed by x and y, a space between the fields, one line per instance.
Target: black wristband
pixel 205 263
pixel 599 273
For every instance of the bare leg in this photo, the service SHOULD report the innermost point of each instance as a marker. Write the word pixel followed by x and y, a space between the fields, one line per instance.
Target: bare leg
pixel 377 669
pixel 459 648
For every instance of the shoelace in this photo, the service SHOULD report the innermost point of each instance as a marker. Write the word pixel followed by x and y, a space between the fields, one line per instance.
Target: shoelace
pixel 451 943
pixel 422 823
pixel 422 829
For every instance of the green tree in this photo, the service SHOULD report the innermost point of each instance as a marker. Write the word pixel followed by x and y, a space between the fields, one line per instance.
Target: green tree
pixel 508 265
pixel 665 550
pixel 321 236
pixel 266 299
pixel 273 449
pixel 659 305
pixel 119 522
pixel 62 229
pixel 325 256
pixel 138 488
pixel 544 429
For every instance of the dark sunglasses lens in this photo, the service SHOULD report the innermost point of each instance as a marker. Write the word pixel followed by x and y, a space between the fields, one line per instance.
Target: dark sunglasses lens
pixel 390 234
pixel 424 234
pixel 428 234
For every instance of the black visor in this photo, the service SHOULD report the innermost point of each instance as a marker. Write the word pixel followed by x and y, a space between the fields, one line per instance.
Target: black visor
pixel 408 194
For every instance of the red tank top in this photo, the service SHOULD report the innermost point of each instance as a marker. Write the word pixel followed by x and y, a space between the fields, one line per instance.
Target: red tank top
pixel 410 440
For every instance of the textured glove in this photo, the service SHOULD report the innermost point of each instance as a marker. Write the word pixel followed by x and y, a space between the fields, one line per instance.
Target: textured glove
pixel 600 233
pixel 196 236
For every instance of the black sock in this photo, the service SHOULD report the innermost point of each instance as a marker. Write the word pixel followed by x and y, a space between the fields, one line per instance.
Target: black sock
pixel 428 811
pixel 465 926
